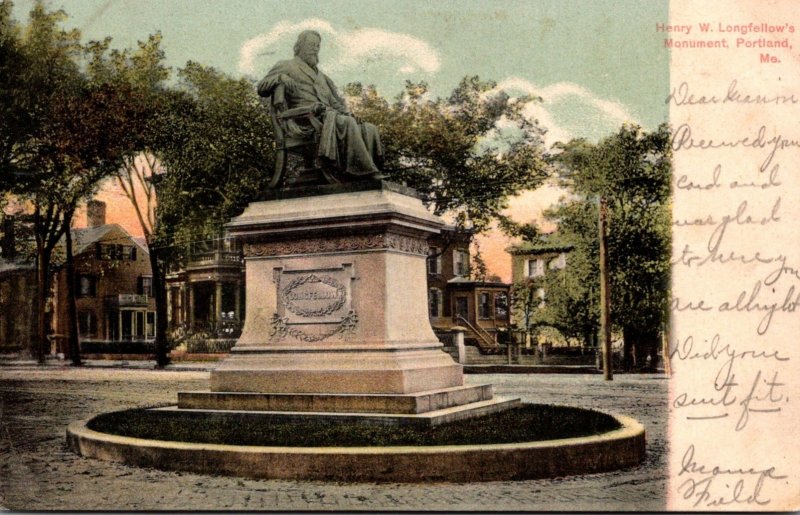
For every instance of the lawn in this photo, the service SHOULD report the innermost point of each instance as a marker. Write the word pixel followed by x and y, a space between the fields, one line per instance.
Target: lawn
pixel 527 423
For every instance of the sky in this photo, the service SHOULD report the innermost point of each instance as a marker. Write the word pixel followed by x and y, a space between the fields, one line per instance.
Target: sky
pixel 595 63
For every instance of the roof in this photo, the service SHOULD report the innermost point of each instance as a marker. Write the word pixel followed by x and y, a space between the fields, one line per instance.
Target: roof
pixel 85 237
pixel 466 281
pixel 141 241
pixel 545 244
pixel 452 233
pixel 11 266
pixel 539 248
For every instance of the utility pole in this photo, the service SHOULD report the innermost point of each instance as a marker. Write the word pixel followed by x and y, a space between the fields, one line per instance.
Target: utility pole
pixel 605 307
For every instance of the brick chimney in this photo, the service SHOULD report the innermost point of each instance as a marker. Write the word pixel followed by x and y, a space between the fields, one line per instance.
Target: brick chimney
pixel 95 213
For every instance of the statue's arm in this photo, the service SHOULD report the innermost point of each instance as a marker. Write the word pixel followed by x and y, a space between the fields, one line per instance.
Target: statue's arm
pixel 277 75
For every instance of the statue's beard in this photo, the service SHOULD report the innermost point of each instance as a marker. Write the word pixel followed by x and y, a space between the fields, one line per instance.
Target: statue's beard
pixel 310 58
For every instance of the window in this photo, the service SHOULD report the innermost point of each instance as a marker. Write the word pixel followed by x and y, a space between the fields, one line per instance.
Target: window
pixel 87 323
pixel 87 286
pixel 109 252
pixel 151 325
pixel 461 263
pixel 139 326
pixel 540 296
pixel 501 306
pixel 434 261
pixel 484 305
pixel 434 302
pixel 535 267
pixel 146 285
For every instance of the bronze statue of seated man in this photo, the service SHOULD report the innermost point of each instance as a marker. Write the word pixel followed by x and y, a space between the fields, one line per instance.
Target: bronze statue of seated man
pixel 309 105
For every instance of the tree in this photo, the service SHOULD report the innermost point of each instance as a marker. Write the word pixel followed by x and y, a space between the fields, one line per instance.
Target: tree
pixel 141 74
pixel 46 63
pixel 466 154
pixel 217 149
pixel 16 123
pixel 76 133
pixel 213 144
pixel 631 170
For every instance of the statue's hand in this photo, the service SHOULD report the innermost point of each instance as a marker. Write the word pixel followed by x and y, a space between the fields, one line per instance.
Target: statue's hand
pixel 319 108
pixel 288 82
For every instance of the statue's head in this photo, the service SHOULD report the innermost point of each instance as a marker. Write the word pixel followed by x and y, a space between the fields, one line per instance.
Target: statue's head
pixel 307 47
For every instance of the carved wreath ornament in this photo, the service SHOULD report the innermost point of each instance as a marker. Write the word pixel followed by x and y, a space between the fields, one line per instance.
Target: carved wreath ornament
pixel 290 296
pixel 281 329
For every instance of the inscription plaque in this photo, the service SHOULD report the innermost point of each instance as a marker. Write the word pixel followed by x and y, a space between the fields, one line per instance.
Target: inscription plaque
pixel 314 296
pixel 313 304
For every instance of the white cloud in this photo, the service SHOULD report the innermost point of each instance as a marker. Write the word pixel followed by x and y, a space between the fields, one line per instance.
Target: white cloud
pixel 568 110
pixel 564 90
pixel 343 50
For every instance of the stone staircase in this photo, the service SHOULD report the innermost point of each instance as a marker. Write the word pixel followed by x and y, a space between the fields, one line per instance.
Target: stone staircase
pixel 480 338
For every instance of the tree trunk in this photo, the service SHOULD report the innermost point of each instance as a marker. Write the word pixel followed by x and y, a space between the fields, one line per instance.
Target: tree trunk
pixel 42 287
pixel 160 297
pixel 73 340
pixel 629 340
pixel 651 339
pixel 641 348
pixel 589 335
pixel 641 343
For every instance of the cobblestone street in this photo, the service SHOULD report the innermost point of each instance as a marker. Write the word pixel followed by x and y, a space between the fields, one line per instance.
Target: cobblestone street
pixel 37 472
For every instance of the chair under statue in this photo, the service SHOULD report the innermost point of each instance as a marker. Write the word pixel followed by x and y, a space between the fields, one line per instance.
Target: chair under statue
pixel 297 134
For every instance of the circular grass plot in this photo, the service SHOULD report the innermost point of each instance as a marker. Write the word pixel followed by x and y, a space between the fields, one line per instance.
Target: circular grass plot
pixel 527 423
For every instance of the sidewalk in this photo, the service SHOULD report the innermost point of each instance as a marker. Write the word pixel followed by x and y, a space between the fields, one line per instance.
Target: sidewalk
pixel 16 362
pixel 530 369
pixel 206 366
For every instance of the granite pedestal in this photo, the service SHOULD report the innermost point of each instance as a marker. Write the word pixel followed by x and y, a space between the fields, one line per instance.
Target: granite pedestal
pixel 336 318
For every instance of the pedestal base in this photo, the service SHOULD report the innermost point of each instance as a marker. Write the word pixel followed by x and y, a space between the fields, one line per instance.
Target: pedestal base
pixel 421 402
pixel 338 369
pixel 428 419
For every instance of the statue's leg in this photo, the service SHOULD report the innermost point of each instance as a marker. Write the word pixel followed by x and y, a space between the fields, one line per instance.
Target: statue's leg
pixel 358 158
pixel 372 140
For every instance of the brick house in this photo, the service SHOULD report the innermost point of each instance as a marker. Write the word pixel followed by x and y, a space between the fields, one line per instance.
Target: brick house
pixel 456 299
pixel 113 285
pixel 17 293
